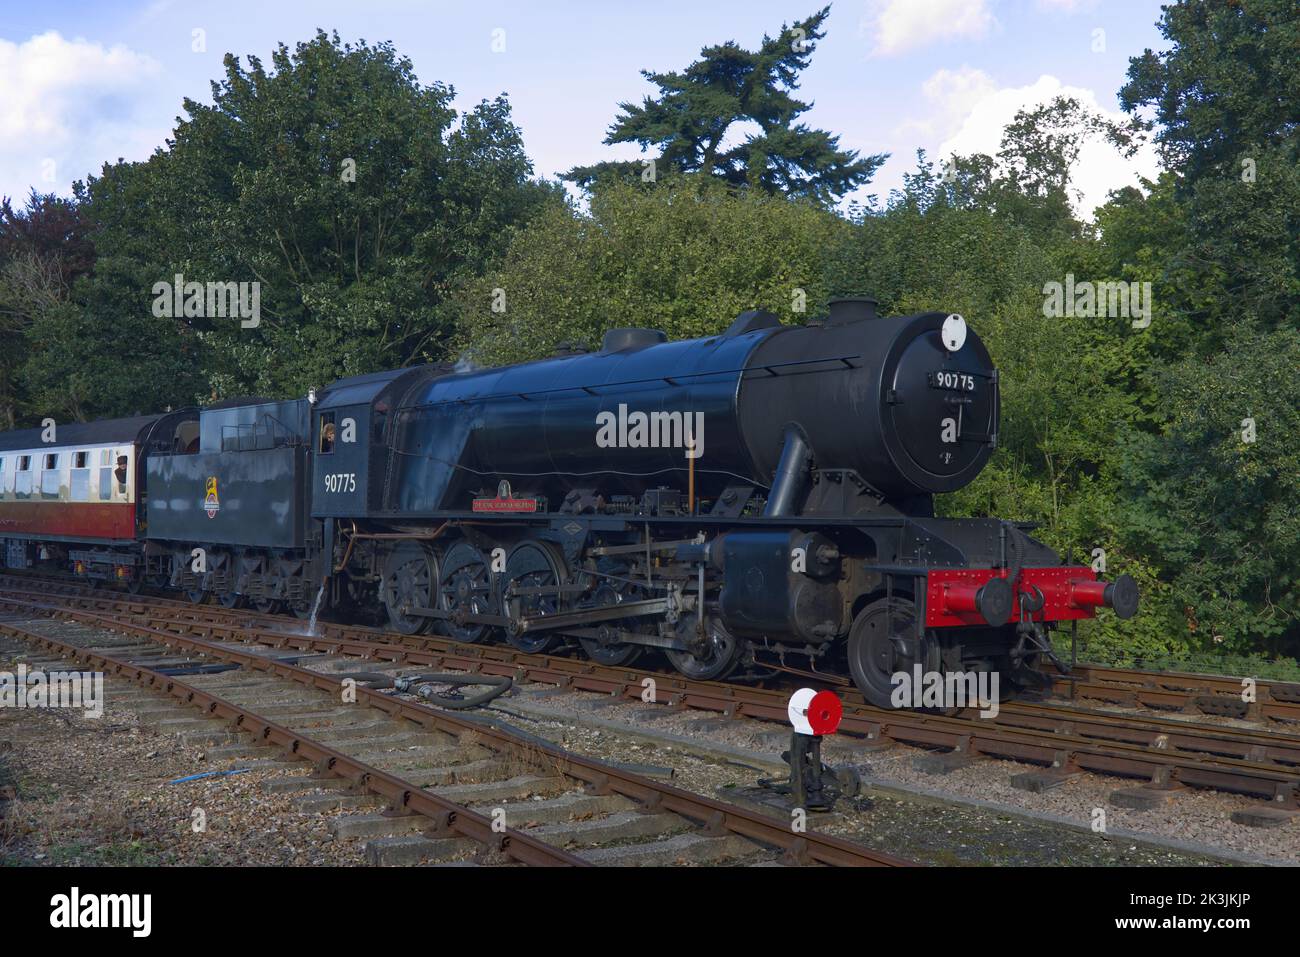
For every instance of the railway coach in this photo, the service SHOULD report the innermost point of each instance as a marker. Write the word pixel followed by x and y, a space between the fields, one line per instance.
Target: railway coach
pixel 74 496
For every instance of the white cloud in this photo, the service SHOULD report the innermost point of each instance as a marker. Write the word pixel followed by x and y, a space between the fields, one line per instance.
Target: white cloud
pixel 983 110
pixel 958 92
pixel 1066 6
pixel 902 25
pixel 65 107
pixel 952 95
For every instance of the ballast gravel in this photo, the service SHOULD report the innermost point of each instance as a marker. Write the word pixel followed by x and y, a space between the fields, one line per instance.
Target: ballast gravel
pixel 937 829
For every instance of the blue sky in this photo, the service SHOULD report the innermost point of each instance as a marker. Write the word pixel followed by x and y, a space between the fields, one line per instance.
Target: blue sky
pixel 82 82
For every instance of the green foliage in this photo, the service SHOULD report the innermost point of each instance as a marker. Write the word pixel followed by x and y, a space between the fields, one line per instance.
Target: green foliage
pixel 686 257
pixel 688 123
pixel 1228 79
pixel 72 374
pixel 1220 513
pixel 1226 97
pixel 343 186
pixel 44 249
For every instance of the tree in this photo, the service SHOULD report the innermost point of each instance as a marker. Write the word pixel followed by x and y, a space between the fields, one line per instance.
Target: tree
pixel 1215 500
pixel 1228 81
pixel 356 197
pixel 1226 103
pixel 51 227
pixel 44 249
pixel 686 257
pixel 692 121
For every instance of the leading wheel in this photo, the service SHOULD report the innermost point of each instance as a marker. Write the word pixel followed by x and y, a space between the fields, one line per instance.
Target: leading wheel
pixel 534 572
pixel 409 576
pixel 712 656
pixel 883 643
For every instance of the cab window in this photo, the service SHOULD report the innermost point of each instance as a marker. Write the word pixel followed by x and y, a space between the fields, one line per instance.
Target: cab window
pixel 327 433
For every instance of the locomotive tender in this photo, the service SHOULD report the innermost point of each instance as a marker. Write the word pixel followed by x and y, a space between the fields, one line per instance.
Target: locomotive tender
pixel 759 499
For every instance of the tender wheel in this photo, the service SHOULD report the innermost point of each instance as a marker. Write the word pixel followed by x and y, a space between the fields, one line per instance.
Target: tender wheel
pixel 465 586
pixel 134 585
pixel 533 565
pixel 876 655
pixel 197 596
pixel 714 657
pixel 301 609
pixel 409 576
pixel 265 570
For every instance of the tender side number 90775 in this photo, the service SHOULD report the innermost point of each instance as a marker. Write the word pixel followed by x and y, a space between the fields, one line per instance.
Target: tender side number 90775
pixel 341 482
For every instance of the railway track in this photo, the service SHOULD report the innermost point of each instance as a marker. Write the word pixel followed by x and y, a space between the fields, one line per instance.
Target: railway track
pixel 1165 752
pixel 1276 702
pixel 450 785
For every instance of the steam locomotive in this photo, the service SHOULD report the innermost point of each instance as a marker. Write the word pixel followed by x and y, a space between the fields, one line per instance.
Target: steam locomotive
pixel 753 501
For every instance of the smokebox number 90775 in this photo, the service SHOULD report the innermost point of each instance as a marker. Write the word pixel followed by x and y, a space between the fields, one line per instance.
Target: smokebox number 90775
pixel 959 381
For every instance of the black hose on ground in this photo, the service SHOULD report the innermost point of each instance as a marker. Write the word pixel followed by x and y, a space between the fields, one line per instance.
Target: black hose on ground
pixel 420 685
pixel 374 679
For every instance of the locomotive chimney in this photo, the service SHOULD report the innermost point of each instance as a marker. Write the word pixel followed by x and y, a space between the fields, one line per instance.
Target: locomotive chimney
pixel 845 309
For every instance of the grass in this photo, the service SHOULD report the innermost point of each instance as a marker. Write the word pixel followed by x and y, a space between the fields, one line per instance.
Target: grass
pixel 1253 666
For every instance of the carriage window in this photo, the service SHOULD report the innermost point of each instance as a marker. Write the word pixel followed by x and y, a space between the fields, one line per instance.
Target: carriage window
pixel 79 486
pixel 105 474
pixel 50 476
pixel 326 445
pixel 23 477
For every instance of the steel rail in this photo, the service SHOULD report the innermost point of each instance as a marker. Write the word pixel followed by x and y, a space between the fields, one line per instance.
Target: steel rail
pixel 1175 690
pixel 1151 731
pixel 716 817
pixel 1160 691
pixel 449 819
pixel 1240 761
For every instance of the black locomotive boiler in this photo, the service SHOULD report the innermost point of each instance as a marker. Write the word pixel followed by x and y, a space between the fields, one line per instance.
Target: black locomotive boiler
pixel 760 499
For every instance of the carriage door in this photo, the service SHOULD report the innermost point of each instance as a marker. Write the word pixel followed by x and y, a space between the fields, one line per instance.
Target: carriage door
pixel 341 465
